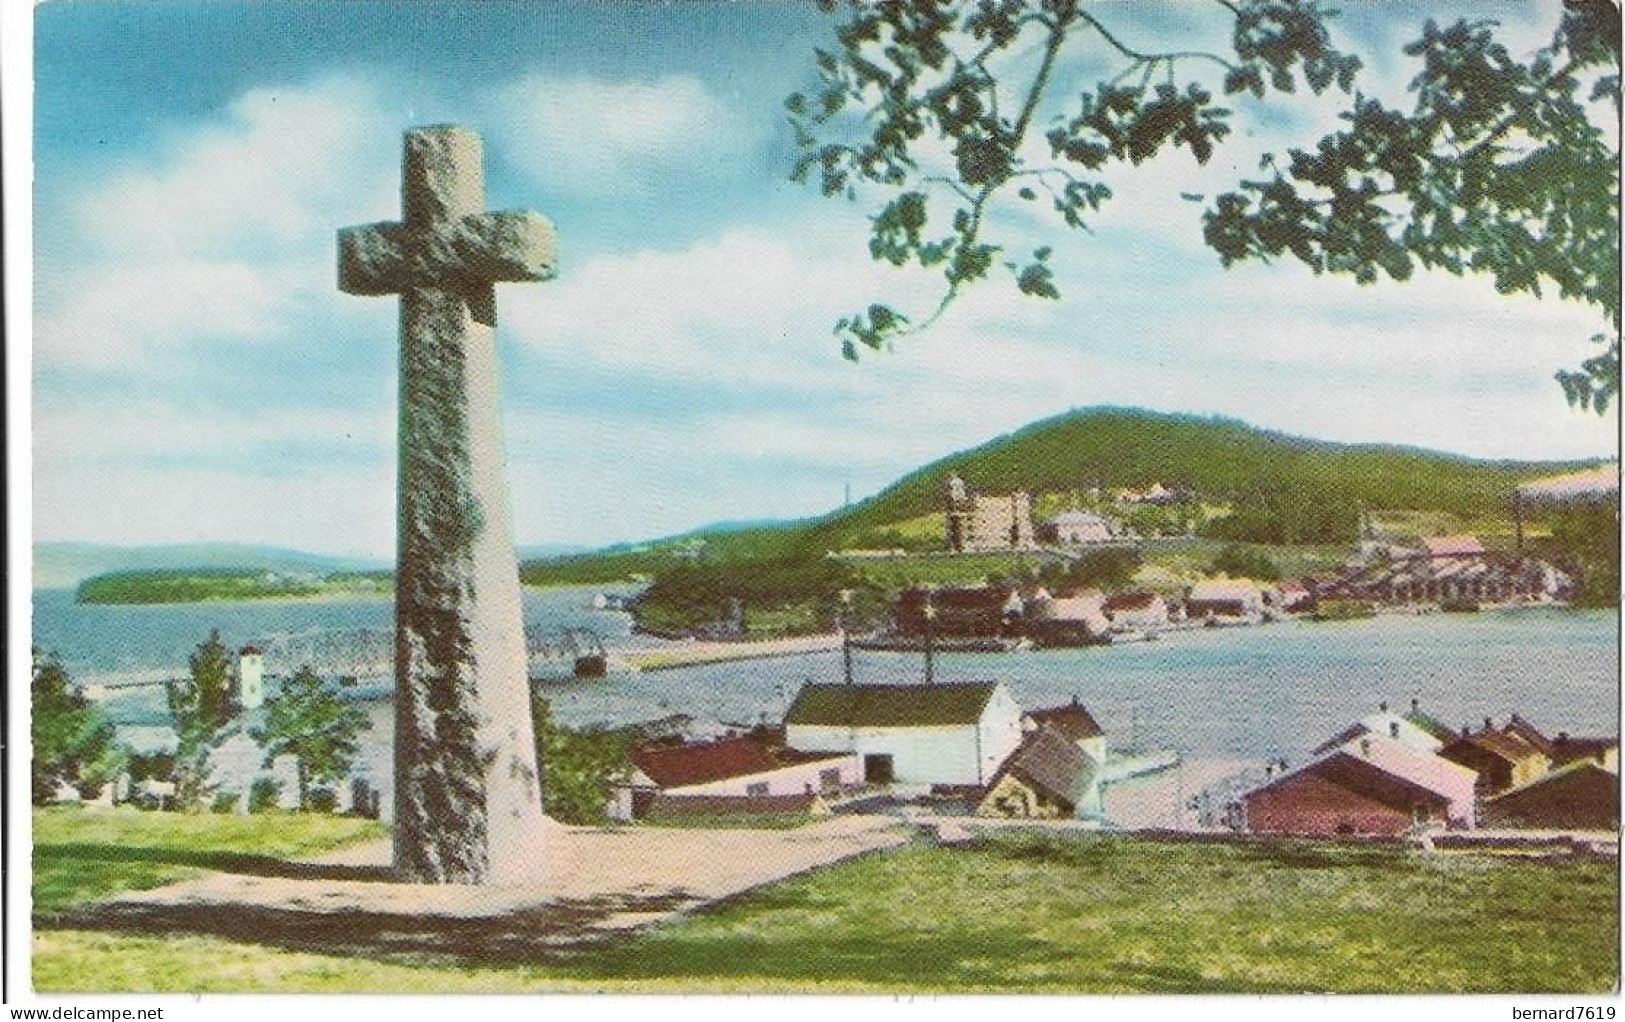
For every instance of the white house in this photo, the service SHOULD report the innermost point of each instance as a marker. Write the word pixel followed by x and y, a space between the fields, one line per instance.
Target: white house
pixel 251 677
pixel 1083 528
pixel 948 734
pixel 1225 597
pixel 1384 724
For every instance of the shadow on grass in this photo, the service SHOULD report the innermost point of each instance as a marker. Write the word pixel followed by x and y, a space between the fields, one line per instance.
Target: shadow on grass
pixel 546 934
pixel 240 863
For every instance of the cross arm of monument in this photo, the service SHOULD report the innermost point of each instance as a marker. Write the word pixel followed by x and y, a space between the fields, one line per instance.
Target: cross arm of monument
pixel 480 249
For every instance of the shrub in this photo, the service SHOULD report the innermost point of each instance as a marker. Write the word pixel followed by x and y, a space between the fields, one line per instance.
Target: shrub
pixel 323 800
pixel 225 802
pixel 263 796
pixel 1239 561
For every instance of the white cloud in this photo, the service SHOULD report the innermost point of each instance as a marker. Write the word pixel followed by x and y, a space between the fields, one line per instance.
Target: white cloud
pixel 590 136
pixel 279 168
pixel 221 235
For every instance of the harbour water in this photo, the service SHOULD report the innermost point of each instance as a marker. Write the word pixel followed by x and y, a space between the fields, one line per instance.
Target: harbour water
pixel 1250 694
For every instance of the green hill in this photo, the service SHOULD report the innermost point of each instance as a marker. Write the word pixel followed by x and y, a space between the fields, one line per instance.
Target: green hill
pixel 1221 459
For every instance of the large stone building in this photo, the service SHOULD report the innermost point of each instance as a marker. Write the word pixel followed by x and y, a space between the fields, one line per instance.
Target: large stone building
pixel 980 521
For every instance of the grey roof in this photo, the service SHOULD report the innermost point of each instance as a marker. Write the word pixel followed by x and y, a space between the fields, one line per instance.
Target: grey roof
pixel 1051 764
pixel 890 705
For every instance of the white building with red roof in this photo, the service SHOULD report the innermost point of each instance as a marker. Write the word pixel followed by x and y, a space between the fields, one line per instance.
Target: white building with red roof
pixel 738 767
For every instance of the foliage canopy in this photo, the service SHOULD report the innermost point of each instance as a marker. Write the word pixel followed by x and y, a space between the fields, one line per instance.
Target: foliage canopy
pixel 309 721
pixel 74 742
pixel 201 710
pixel 968 116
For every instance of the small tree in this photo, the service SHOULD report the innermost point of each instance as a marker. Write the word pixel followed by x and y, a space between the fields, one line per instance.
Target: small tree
pixel 308 720
pixel 74 742
pixel 211 675
pixel 201 708
pixel 581 768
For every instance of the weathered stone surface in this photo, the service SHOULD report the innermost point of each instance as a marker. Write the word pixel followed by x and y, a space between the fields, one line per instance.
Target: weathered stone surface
pixel 381 259
pixel 467 794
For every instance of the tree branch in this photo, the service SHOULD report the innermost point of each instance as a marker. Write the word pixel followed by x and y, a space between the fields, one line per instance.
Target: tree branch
pixel 1120 47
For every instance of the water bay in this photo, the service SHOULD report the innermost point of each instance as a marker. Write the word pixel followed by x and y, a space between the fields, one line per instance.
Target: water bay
pixel 1271 690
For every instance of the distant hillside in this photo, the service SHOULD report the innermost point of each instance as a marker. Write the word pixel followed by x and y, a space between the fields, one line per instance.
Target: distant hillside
pixel 1119 447
pixel 65 565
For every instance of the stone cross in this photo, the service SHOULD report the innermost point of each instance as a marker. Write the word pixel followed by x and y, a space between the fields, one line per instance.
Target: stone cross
pixel 467 791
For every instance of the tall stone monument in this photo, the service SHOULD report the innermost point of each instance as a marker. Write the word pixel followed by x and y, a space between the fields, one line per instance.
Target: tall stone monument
pixel 467 792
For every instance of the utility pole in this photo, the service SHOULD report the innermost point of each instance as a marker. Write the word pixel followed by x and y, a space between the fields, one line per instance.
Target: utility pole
pixel 930 635
pixel 846 633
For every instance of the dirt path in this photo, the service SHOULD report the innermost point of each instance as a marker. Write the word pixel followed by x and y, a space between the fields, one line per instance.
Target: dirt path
pixel 591 884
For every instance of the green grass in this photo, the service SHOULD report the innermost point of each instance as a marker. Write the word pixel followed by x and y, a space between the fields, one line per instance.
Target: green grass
pixel 83 855
pixel 1023 912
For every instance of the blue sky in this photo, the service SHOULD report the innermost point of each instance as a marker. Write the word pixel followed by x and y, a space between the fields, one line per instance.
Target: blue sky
pixel 197 376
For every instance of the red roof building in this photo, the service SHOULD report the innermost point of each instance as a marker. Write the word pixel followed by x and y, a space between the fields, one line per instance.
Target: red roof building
pixel 741 767
pixel 1373 786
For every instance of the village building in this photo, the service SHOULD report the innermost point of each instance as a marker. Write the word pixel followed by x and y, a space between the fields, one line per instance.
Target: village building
pixel 1370 786
pixel 1294 596
pixel 928 735
pixel 1156 493
pixel 1389 725
pixel 1450 570
pixel 1214 598
pixel 1452 546
pixel 1073 721
pixel 1502 761
pixel 982 522
pixel 959 611
pixel 738 767
pixel 1581 795
pixel 1434 727
pixel 1083 528
pixel 1519 728
pixel 1140 611
pixel 1566 749
pixel 1066 621
pixel 1049 776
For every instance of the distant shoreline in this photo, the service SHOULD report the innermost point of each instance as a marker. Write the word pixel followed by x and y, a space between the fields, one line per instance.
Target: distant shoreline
pixel 695 654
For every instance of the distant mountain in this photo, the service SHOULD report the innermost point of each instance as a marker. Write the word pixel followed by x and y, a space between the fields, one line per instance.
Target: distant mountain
pixel 64 565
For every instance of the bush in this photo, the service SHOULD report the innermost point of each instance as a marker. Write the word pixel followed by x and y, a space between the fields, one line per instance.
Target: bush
pixel 264 795
pixel 323 800
pixel 580 768
pixel 225 802
pixel 1240 561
